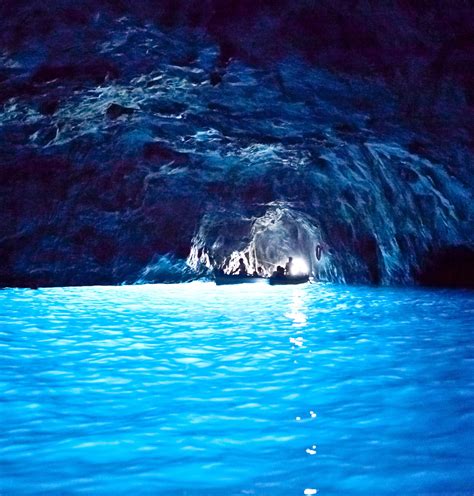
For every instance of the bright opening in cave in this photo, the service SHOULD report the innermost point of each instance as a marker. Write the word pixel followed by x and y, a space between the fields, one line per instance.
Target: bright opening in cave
pixel 299 267
pixel 281 234
pixel 263 245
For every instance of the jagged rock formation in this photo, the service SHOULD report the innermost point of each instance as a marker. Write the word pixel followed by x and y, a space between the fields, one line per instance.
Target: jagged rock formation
pixel 135 138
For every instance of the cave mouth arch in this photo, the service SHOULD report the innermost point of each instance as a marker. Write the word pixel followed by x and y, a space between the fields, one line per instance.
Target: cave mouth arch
pixel 282 233
pixel 264 241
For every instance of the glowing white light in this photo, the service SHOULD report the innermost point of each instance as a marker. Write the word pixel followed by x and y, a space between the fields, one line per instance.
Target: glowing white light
pixel 299 267
pixel 310 491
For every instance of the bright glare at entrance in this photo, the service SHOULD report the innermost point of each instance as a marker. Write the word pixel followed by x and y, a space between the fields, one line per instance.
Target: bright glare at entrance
pixel 299 267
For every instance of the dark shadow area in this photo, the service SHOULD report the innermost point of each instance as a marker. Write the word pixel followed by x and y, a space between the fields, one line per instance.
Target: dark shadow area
pixel 450 267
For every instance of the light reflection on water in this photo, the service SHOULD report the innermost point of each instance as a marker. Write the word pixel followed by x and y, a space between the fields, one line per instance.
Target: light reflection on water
pixel 198 389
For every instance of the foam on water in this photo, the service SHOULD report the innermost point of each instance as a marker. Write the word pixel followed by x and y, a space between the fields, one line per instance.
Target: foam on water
pixel 198 389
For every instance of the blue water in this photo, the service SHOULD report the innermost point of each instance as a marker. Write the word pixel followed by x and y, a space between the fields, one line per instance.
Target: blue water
pixel 202 390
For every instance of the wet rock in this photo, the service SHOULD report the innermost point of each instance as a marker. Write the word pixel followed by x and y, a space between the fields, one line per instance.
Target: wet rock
pixel 48 107
pixel 15 135
pixel 115 110
pixel 215 78
pixel 345 128
pixel 221 190
pixel 35 170
pixel 156 150
pixel 292 140
pixel 45 135
pixel 96 71
pixel 408 175
pixel 367 246
pixel 168 269
pixel 265 139
pixel 259 191
pixel 17 89
pixel 166 107
pixel 417 147
pixel 219 107
pixel 322 163
pixel 4 75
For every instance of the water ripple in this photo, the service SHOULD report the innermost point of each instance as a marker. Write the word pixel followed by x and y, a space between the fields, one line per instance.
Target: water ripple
pixel 191 389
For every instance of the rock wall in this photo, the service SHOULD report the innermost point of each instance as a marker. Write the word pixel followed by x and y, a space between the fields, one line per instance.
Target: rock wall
pixel 136 138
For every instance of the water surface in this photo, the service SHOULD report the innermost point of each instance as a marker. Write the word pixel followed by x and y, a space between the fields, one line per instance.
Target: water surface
pixel 202 390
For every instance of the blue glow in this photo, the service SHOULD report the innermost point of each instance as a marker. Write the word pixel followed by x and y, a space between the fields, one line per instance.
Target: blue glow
pixel 250 389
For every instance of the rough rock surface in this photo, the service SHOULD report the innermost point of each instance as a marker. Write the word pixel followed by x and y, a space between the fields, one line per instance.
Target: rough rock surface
pixel 138 146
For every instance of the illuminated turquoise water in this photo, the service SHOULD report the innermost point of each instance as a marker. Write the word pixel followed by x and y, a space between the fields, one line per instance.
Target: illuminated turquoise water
pixel 203 390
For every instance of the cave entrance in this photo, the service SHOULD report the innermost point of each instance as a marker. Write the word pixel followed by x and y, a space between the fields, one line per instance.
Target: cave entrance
pixel 283 233
pixel 265 242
